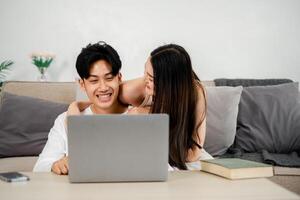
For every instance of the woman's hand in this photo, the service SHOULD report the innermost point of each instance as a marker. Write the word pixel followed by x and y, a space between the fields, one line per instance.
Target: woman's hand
pixel 139 110
pixel 75 108
pixel 193 155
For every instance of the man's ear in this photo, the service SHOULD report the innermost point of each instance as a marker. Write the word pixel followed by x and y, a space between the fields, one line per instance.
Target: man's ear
pixel 81 84
pixel 120 77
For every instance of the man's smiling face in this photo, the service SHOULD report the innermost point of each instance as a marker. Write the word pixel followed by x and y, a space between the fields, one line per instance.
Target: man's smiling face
pixel 102 87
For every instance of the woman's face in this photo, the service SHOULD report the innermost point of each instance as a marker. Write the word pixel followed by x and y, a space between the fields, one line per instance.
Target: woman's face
pixel 148 78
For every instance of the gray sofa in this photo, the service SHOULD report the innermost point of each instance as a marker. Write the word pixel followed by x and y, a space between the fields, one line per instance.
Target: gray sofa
pixel 64 93
pixel 61 92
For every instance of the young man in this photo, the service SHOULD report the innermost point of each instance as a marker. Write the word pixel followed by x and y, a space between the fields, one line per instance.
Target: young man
pixel 98 66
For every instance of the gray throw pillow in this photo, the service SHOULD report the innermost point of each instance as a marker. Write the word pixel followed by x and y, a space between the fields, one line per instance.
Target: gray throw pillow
pixel 25 123
pixel 269 119
pixel 222 111
pixel 250 82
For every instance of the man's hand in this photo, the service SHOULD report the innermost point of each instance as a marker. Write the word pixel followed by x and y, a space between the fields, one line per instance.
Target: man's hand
pixel 61 167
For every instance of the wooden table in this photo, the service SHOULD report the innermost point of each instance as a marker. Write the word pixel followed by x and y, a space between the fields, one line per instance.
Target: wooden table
pixel 181 185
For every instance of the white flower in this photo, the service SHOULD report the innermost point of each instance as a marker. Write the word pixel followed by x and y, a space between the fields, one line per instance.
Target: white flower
pixel 45 55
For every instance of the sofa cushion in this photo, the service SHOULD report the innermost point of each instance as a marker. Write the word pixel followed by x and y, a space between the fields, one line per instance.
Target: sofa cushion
pixel 25 124
pixel 269 118
pixel 249 82
pixel 222 111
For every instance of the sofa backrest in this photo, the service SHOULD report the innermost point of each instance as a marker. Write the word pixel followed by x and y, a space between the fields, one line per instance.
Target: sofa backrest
pixel 62 92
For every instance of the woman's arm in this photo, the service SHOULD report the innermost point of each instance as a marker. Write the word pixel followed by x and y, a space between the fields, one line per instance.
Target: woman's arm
pixel 194 154
pixel 132 92
pixel 201 113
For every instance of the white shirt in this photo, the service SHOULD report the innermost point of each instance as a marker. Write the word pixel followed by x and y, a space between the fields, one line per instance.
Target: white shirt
pixel 57 147
pixel 57 144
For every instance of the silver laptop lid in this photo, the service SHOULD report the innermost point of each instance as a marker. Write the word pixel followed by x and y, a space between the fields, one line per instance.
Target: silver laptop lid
pixel 117 148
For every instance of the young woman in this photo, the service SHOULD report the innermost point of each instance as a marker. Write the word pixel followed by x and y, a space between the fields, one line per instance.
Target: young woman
pixel 169 86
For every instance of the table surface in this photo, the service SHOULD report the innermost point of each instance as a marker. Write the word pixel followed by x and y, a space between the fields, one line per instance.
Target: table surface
pixel 180 185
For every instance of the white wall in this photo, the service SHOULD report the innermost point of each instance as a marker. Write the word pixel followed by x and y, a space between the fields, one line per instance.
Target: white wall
pixel 232 38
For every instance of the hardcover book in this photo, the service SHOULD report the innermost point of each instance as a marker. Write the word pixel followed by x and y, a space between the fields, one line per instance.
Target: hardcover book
pixel 235 168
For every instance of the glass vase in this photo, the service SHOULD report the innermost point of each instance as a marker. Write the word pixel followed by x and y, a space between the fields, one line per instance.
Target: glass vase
pixel 42 76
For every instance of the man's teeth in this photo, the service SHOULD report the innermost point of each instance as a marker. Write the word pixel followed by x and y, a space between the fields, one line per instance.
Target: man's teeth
pixel 104 97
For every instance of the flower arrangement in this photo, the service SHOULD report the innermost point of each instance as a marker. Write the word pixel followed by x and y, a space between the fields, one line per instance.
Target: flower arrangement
pixel 42 61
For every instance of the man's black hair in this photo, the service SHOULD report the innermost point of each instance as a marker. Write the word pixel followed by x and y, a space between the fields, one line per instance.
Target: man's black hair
pixel 94 52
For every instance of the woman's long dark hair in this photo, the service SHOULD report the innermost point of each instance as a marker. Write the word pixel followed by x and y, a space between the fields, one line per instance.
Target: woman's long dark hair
pixel 175 93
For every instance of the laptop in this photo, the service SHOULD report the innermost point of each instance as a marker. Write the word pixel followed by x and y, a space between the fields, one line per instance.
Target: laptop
pixel 118 148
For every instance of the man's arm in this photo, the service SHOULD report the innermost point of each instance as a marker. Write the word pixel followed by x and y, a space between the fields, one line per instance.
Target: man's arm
pixel 55 148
